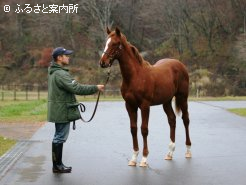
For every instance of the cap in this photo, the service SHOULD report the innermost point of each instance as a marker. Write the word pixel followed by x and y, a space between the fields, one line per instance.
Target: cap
pixel 61 51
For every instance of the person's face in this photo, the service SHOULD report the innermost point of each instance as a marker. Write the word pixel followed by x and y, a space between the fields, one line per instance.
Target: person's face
pixel 63 59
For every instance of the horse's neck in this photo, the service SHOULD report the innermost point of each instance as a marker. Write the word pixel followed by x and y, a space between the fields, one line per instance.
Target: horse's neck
pixel 129 67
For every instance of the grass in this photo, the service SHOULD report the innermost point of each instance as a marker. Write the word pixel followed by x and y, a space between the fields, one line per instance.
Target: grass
pixel 23 111
pixel 20 111
pixel 5 144
pixel 224 98
pixel 35 110
pixel 239 111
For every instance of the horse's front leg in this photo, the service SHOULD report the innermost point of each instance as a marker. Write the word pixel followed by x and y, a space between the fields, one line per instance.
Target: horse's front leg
pixel 132 112
pixel 144 130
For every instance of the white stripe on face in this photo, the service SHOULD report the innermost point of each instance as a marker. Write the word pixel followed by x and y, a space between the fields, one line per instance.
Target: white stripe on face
pixel 106 47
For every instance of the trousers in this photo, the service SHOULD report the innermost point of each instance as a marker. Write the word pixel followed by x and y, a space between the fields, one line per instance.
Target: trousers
pixel 61 132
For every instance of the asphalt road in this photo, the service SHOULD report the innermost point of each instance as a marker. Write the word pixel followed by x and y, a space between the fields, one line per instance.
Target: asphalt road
pixel 99 151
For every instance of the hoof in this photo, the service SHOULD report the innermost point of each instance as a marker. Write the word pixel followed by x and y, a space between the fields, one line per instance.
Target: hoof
pixel 143 164
pixel 132 163
pixel 168 157
pixel 188 155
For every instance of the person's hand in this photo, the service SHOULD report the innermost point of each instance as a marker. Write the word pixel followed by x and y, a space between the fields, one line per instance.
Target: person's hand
pixel 100 87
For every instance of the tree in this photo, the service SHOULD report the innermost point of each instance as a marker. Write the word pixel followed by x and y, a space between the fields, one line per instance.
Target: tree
pixel 100 10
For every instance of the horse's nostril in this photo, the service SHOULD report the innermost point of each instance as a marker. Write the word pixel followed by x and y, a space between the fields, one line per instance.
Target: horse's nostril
pixel 102 64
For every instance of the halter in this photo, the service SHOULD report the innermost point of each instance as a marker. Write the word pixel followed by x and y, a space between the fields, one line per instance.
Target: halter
pixel 113 55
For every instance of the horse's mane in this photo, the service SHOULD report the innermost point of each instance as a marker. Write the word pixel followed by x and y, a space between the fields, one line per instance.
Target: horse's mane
pixel 136 53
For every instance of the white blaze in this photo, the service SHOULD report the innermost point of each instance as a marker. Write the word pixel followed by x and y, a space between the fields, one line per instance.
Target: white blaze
pixel 106 47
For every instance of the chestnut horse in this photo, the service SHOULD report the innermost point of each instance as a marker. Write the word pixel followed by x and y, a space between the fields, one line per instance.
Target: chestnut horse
pixel 145 85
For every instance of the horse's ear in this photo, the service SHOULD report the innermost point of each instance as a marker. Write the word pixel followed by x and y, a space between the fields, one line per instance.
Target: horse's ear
pixel 117 31
pixel 108 31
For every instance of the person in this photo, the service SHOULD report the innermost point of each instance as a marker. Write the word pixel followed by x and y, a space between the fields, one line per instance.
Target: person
pixel 62 104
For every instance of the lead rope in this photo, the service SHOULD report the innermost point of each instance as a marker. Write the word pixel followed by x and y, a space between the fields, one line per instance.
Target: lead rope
pixel 82 106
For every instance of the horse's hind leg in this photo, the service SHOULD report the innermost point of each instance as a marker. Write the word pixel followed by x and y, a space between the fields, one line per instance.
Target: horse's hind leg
pixel 172 123
pixel 183 103
pixel 132 112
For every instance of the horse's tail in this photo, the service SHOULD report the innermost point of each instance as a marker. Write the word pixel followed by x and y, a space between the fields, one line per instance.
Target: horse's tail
pixel 177 105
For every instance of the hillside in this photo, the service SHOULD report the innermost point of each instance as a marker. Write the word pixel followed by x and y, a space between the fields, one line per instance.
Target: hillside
pixel 208 36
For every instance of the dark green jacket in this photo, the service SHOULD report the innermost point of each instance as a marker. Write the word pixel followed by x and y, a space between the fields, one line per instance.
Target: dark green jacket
pixel 62 104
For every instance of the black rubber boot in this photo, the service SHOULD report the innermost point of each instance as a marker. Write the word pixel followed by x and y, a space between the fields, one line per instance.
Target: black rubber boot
pixel 68 168
pixel 58 166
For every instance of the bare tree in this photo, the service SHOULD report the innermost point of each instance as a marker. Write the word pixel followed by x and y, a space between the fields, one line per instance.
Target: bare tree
pixel 100 10
pixel 204 20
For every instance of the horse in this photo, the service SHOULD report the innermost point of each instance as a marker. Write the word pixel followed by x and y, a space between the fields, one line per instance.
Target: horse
pixel 145 85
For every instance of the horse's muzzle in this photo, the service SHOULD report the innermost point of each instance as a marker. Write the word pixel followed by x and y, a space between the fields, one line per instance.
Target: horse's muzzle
pixel 105 65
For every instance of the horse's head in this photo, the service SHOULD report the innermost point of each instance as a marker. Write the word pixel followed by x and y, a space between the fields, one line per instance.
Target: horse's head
pixel 112 48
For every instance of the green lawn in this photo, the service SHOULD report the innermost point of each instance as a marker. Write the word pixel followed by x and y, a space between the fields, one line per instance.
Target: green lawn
pixel 20 111
pixel 241 111
pixel 23 111
pixel 5 144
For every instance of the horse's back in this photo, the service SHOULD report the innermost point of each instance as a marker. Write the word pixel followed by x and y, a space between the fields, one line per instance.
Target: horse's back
pixel 168 62
pixel 173 71
pixel 171 64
